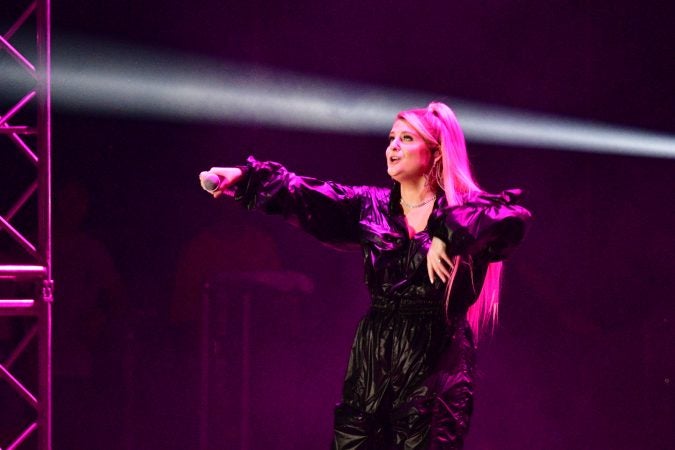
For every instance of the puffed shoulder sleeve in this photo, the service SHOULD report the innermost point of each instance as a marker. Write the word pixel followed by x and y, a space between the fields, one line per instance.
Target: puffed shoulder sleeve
pixel 486 225
pixel 329 211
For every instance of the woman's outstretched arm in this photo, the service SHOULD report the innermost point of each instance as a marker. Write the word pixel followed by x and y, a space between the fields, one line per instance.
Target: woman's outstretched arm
pixel 327 210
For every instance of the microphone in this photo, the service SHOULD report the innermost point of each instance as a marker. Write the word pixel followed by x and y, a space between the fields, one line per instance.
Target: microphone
pixel 209 181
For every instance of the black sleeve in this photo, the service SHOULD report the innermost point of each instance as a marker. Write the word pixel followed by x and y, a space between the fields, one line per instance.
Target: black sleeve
pixel 486 225
pixel 329 211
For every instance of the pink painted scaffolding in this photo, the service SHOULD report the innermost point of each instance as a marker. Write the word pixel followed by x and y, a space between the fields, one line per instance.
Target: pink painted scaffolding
pixel 26 128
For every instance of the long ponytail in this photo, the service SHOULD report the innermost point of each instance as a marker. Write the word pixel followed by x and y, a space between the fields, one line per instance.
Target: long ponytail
pixel 439 127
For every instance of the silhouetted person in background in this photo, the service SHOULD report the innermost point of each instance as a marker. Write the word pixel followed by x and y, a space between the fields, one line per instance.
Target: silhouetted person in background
pixel 87 313
pixel 225 247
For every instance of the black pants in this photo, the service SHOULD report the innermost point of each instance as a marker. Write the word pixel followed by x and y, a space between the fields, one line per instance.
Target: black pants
pixel 409 383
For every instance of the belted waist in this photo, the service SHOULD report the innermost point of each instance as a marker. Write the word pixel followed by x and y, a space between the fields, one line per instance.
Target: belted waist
pixel 406 305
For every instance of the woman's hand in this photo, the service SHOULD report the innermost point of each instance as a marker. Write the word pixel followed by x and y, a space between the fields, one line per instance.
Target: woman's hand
pixel 228 177
pixel 438 261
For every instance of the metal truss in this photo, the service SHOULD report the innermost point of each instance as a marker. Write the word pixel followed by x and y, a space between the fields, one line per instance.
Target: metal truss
pixel 28 268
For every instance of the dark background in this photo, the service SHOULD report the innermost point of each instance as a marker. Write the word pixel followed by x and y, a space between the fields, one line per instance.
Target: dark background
pixel 583 357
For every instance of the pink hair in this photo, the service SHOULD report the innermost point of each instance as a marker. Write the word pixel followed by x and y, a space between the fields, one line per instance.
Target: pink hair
pixel 439 127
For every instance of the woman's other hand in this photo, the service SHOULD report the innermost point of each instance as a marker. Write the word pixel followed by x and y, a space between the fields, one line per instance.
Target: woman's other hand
pixel 438 262
pixel 227 177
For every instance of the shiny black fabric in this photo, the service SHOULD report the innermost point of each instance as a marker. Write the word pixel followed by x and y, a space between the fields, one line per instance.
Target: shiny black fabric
pixel 409 381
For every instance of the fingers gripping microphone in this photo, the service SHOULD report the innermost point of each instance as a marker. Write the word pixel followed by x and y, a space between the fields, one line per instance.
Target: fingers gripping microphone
pixel 209 181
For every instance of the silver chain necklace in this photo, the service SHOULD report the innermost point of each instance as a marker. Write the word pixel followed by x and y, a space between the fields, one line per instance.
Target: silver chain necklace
pixel 419 205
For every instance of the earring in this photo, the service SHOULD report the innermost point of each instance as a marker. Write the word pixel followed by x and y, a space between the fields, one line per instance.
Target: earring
pixel 437 172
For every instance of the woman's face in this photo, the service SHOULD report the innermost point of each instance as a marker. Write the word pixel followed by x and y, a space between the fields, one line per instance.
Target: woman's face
pixel 408 156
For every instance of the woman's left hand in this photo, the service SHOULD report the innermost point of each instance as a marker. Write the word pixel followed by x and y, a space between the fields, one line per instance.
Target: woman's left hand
pixel 438 261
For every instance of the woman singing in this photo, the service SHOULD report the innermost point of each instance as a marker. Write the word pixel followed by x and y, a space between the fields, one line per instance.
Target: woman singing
pixel 432 245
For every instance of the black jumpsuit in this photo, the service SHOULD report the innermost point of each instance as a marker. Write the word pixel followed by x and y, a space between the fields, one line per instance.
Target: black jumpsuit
pixel 409 381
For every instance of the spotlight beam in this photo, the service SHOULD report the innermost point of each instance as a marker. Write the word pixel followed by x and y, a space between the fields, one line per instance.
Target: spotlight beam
pixel 110 79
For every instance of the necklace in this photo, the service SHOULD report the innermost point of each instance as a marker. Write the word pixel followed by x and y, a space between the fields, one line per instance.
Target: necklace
pixel 419 205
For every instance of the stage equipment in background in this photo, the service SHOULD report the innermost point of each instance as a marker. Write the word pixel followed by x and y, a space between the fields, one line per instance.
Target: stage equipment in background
pixel 26 265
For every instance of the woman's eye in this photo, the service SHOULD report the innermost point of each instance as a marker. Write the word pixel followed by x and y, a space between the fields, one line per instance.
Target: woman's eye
pixel 391 138
pixel 407 138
